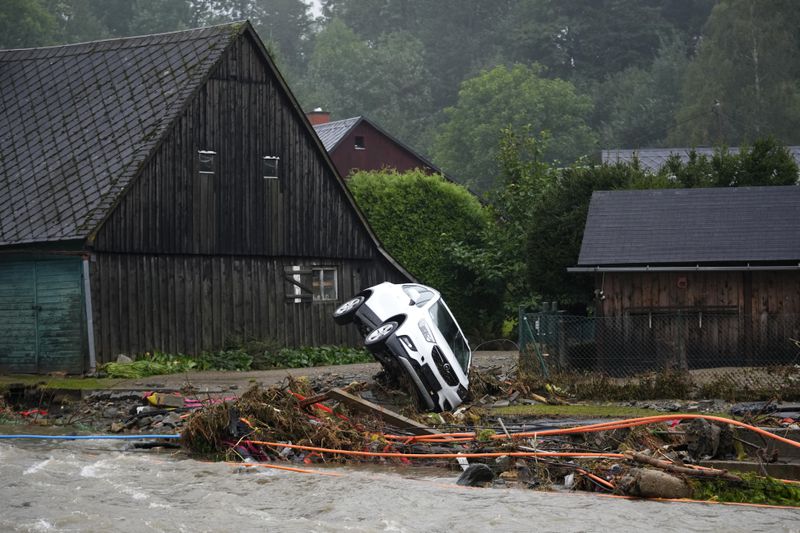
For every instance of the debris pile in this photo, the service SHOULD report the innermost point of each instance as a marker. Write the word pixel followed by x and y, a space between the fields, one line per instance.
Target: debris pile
pixel 652 457
pixel 277 414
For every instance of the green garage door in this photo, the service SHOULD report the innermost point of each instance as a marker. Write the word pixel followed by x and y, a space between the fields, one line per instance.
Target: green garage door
pixel 41 316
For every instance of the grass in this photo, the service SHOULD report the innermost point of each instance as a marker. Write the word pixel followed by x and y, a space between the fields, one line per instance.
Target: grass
pixel 50 382
pixel 580 411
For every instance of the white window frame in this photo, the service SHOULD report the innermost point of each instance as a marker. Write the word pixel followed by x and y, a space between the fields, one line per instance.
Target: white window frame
pixel 318 279
pixel 206 157
pixel 270 158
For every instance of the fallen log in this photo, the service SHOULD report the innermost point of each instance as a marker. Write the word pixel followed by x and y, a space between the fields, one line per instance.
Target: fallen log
pixel 676 469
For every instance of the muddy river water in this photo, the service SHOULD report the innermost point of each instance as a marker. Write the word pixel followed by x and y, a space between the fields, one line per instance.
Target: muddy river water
pixel 104 486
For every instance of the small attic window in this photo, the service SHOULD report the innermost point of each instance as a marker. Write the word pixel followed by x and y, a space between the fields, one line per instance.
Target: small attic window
pixel 359 144
pixel 205 162
pixel 269 167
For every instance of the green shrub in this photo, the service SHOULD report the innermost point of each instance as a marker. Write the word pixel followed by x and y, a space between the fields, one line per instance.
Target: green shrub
pixel 315 356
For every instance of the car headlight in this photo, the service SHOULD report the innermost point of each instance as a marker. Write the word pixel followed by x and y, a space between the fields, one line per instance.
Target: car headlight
pixel 426 333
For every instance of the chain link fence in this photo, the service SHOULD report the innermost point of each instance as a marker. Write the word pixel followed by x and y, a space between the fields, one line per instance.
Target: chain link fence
pixel 708 345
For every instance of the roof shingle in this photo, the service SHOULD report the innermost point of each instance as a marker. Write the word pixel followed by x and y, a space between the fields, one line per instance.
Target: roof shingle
pixel 77 121
pixel 692 226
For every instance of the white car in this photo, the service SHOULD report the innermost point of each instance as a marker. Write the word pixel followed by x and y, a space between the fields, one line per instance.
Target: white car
pixel 412 333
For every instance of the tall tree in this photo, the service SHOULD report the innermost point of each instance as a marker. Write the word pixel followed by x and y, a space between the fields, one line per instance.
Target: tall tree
pixel 636 107
pixel 25 23
pixel 459 36
pixel 517 97
pixel 285 25
pixel 584 40
pixel 743 84
pixel 385 80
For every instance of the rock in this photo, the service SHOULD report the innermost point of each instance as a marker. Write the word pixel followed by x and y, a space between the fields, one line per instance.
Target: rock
pixel 476 475
pixel 501 403
pixel 654 484
pixel 144 421
pixel 172 419
pixel 122 358
pixel 503 463
pixel 702 439
pixel 110 412
pixel 116 427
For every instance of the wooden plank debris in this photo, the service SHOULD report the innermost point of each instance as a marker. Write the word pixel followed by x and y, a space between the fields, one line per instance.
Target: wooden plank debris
pixel 388 416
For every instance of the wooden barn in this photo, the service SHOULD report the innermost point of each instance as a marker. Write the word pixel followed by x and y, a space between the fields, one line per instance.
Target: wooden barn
pixel 701 277
pixel 360 144
pixel 167 193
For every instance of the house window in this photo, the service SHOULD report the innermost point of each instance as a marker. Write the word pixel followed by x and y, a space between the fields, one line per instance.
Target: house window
pixel 305 284
pixel 360 143
pixel 205 162
pixel 324 284
pixel 269 167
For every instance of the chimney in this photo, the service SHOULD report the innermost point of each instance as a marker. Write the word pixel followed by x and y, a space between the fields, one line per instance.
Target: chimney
pixel 318 116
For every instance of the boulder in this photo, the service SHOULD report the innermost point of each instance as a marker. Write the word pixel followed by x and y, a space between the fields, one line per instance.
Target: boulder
pixel 476 475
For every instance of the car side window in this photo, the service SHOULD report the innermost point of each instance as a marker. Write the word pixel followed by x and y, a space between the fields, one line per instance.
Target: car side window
pixel 418 294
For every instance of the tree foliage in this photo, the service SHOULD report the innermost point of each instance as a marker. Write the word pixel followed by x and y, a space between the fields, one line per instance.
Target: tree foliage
pixel 25 23
pixel 426 222
pixel 765 163
pixel 743 84
pixel 519 98
pixel 589 40
pixel 385 80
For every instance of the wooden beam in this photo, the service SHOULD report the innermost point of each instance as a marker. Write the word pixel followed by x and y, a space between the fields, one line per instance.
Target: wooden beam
pixel 390 417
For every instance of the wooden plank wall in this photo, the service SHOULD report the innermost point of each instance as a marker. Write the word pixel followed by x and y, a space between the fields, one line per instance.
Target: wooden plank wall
pixel 740 317
pixel 243 115
pixel 772 292
pixel 191 303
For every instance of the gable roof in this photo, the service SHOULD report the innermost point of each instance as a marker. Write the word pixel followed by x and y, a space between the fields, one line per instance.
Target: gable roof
pixel 714 226
pixel 79 120
pixel 652 159
pixel 332 133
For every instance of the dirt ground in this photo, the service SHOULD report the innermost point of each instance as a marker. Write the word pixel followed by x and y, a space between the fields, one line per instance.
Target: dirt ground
pixel 220 382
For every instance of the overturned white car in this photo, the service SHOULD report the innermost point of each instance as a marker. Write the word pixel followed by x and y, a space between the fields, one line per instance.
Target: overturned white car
pixel 412 333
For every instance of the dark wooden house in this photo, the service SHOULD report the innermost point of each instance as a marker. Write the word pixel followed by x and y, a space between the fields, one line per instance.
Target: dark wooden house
pixel 360 144
pixel 703 276
pixel 166 192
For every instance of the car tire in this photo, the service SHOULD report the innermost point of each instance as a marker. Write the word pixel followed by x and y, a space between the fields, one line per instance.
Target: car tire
pixel 376 339
pixel 344 313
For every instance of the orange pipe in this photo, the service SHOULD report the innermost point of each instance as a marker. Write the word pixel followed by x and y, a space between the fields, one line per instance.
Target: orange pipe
pixel 287 468
pixel 434 455
pixel 603 426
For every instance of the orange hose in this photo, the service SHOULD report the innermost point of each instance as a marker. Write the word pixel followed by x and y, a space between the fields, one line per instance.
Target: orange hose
pixel 603 426
pixel 434 455
pixel 287 468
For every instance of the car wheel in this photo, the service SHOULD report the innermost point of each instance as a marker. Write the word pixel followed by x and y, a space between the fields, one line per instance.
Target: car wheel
pixel 344 313
pixel 378 336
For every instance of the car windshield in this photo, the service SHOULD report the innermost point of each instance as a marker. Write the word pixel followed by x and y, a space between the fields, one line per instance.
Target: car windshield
pixel 447 325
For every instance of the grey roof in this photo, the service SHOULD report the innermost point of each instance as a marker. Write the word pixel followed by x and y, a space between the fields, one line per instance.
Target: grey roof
pixel 331 133
pixel 653 159
pixel 692 226
pixel 78 121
